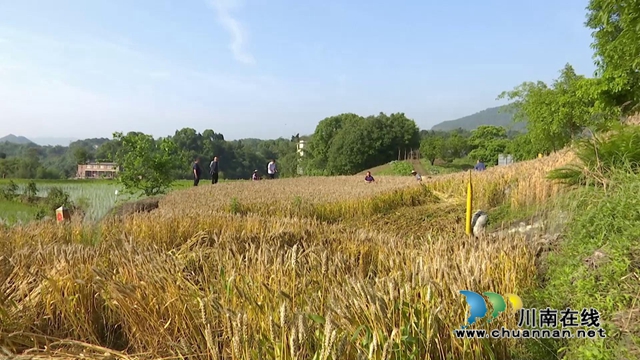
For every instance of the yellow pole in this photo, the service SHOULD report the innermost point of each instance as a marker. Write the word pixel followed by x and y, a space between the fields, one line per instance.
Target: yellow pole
pixel 469 204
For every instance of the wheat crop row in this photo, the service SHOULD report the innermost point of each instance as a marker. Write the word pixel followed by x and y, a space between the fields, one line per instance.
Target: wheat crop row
pixel 266 278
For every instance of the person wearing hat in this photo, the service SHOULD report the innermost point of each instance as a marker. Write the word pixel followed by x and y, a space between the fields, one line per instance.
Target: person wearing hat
pixel 255 175
pixel 418 177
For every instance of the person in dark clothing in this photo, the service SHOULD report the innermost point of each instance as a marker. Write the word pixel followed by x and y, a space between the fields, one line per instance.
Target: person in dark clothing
pixel 214 170
pixel 480 166
pixel 369 179
pixel 196 172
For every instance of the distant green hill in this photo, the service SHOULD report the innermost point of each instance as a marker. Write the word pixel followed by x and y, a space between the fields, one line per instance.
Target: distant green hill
pixel 490 116
pixel 15 139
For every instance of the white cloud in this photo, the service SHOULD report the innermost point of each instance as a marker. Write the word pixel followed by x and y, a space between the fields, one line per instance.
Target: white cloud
pixel 237 31
pixel 83 86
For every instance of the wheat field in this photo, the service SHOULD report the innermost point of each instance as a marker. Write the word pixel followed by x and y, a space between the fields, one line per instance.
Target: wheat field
pixel 305 268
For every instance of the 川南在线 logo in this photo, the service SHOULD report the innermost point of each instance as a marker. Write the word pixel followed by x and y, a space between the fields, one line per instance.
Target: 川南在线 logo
pixel 478 306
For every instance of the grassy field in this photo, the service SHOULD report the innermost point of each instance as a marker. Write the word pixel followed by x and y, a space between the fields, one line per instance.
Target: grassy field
pixel 423 167
pixel 307 268
pixel 13 212
pixel 95 197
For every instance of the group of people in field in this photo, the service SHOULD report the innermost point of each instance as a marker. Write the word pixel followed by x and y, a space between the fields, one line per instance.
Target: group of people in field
pixel 368 178
pixel 214 169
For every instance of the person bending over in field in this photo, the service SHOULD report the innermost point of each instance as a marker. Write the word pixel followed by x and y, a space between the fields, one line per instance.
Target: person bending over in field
pixel 255 175
pixel 369 179
pixel 418 177
pixel 480 166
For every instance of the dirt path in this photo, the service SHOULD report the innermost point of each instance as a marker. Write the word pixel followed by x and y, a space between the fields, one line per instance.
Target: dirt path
pixel 417 166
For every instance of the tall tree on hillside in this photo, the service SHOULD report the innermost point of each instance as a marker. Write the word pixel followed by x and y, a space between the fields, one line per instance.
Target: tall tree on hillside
pixel 616 25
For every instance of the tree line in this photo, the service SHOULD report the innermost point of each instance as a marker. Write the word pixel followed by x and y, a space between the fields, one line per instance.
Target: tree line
pixel 238 157
pixel 340 145
pixel 555 114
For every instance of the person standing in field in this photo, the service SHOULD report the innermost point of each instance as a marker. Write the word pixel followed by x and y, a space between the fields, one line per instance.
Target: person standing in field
pixel 214 170
pixel 196 172
pixel 271 169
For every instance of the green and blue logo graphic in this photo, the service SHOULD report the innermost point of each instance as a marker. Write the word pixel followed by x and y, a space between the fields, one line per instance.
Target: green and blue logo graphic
pixel 478 306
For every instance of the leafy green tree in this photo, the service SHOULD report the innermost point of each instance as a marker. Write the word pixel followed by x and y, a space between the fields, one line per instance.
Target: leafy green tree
pixel 348 143
pixel 556 114
pixel 81 155
pixel 397 134
pixel 616 34
pixel 488 142
pixel 349 149
pixel 107 151
pixel 147 165
pixel 432 147
pixel 522 148
pixel 455 146
pixel 323 136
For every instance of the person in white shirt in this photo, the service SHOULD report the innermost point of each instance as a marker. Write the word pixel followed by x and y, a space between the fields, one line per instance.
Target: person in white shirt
pixel 271 169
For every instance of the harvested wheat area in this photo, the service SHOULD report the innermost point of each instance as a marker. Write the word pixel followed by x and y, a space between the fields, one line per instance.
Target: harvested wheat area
pixel 305 268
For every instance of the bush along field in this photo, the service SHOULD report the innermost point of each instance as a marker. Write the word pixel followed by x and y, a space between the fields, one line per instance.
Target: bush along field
pixel 330 268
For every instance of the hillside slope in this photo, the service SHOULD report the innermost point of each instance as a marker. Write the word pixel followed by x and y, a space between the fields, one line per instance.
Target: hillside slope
pixel 490 116
pixel 15 139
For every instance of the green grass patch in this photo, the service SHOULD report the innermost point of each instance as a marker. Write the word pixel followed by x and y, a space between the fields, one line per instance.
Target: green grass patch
pixel 95 197
pixel 13 211
pixel 403 168
pixel 597 266
pixel 398 168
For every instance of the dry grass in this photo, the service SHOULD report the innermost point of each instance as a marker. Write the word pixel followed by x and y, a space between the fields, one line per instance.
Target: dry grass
pixel 633 119
pixel 521 184
pixel 266 276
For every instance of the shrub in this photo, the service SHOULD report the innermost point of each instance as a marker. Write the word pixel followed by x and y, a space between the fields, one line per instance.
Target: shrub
pixel 9 192
pixel 30 192
pixel 401 168
pixel 57 197
pixel 600 155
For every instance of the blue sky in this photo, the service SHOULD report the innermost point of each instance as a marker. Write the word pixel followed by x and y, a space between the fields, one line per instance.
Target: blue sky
pixel 270 68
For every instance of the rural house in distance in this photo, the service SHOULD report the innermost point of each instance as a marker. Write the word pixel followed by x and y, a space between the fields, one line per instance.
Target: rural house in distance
pixel 97 170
